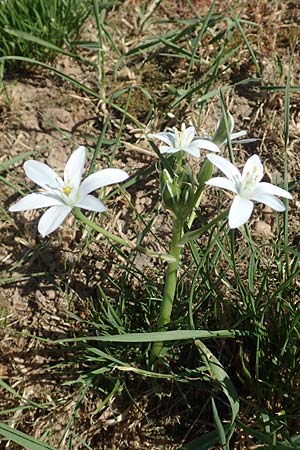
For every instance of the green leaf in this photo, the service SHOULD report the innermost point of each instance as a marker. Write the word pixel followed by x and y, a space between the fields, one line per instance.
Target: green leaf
pixel 65 77
pixel 218 373
pixel 268 439
pixel 219 426
pixel 22 439
pixel 195 234
pixel 158 336
pixel 206 442
pixel 14 393
pixel 5 165
pixel 237 22
pixel 29 37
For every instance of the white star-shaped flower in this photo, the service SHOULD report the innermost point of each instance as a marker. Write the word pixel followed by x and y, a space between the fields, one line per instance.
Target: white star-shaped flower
pixel 184 140
pixel 220 137
pixel 248 188
pixel 62 195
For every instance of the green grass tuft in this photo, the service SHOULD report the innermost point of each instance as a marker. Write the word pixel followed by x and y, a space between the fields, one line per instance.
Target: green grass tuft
pixel 39 28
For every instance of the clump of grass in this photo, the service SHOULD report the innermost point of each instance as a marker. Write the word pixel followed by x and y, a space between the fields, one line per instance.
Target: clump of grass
pixel 27 27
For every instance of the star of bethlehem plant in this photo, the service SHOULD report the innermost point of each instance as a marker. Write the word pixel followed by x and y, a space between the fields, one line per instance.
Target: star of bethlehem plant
pixel 62 195
pixel 181 192
pixel 181 188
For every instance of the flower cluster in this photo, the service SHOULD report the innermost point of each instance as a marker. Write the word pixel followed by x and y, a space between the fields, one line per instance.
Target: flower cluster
pixel 247 187
pixel 61 195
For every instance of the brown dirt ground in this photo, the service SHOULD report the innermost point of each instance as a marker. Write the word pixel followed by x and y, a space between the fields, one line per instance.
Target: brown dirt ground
pixel 39 112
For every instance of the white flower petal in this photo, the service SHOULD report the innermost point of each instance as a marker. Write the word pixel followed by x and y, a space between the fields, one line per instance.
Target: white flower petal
pixel 166 149
pixel 35 201
pixel 244 141
pixel 253 167
pixel 91 203
pixel 268 188
pixel 52 219
pixel 230 121
pixel 42 174
pixel 193 149
pixel 269 200
pixel 187 136
pixel 217 127
pixel 225 166
pixel 222 183
pixel 205 144
pixel 101 178
pixel 166 137
pixel 220 134
pixel 240 211
pixel 74 168
pixel 238 135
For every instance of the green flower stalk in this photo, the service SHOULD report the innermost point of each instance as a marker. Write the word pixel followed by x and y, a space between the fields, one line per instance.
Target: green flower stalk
pixel 169 288
pixel 181 193
pixel 178 191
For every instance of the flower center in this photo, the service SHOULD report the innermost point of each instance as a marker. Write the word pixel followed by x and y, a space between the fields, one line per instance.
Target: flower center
pixel 177 138
pixel 250 181
pixel 67 190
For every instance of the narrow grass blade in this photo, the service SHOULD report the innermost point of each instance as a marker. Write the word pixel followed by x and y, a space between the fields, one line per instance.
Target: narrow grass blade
pixel 195 234
pixel 268 439
pixel 18 279
pixel 206 442
pixel 22 439
pixel 248 45
pixel 5 165
pixel 52 69
pixel 15 394
pixel 150 11
pixel 214 92
pixel 218 373
pixel 156 336
pixel 200 36
pixel 29 37
pixel 280 88
pixel 219 426
pixel 286 175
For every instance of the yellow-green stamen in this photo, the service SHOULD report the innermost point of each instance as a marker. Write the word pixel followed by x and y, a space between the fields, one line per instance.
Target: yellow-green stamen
pixel 67 190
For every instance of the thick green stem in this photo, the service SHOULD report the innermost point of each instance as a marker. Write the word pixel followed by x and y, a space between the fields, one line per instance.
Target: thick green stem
pixel 170 287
